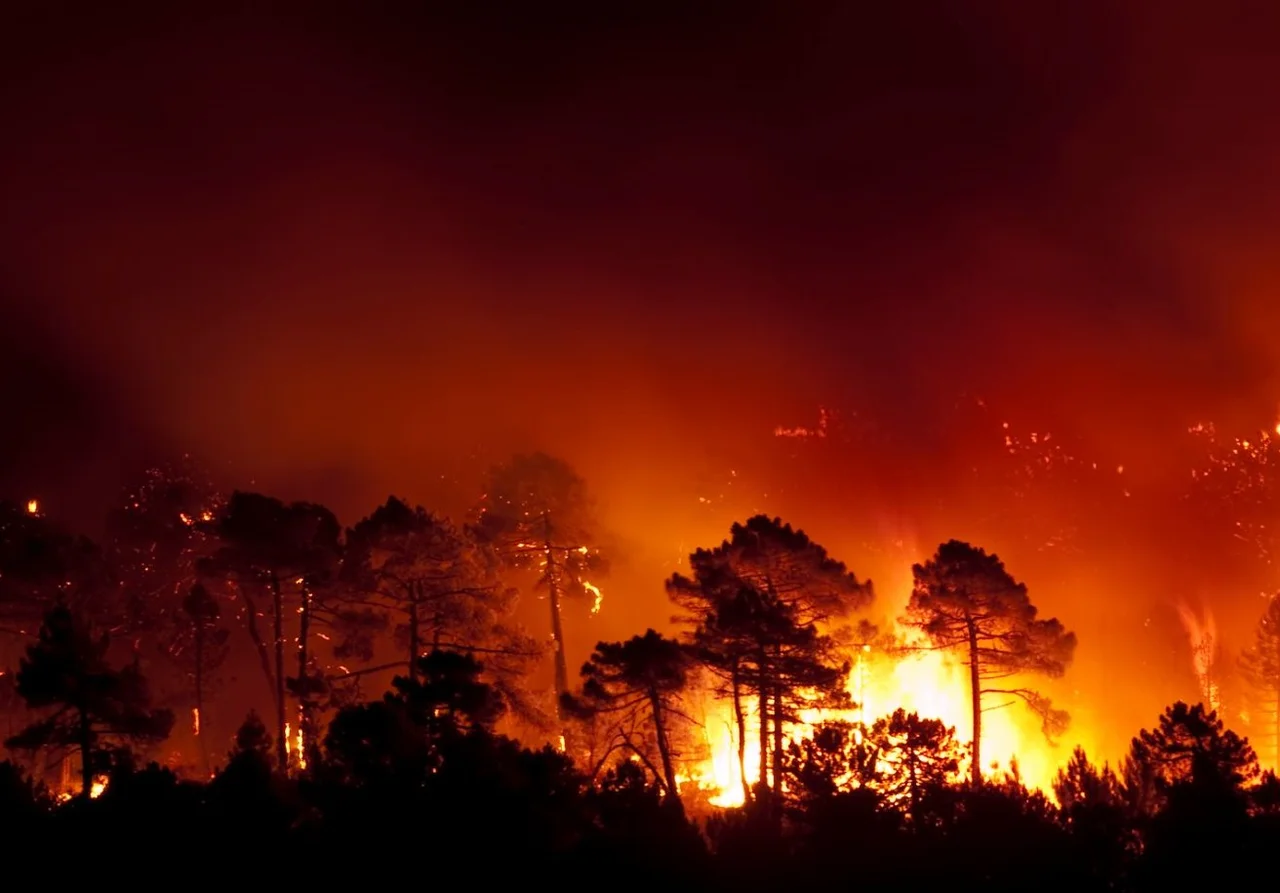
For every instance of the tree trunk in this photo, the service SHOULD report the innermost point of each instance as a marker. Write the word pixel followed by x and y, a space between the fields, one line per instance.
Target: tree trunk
pixel 975 693
pixel 277 605
pixel 762 783
pixel 251 626
pixel 304 694
pixel 741 719
pixel 557 634
pixel 85 734
pixel 777 737
pixel 415 633
pixel 664 747
pixel 201 740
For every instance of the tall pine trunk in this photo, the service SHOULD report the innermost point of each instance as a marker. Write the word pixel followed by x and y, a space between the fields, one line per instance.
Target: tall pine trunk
pixel 664 746
pixel 777 737
pixel 277 606
pixel 255 636
pixel 415 633
pixel 975 693
pixel 741 719
pixel 304 692
pixel 557 634
pixel 762 782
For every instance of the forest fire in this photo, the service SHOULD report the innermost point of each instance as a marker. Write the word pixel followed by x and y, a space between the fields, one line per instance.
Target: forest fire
pixel 931 683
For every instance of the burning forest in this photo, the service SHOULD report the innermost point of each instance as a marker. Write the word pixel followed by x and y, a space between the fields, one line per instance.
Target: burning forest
pixel 221 643
pixel 730 448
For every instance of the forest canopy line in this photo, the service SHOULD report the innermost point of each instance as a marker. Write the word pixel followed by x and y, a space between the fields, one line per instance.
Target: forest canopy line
pixel 117 655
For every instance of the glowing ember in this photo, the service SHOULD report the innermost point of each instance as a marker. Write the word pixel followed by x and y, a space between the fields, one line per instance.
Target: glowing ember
pixel 33 507
pixel 195 721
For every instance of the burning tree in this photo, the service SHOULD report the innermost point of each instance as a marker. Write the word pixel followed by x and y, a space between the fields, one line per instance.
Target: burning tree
pixel 536 514
pixel 267 545
pixel 637 683
pixel 756 601
pixel 1261 667
pixel 67 669
pixel 964 599
pixel 431 577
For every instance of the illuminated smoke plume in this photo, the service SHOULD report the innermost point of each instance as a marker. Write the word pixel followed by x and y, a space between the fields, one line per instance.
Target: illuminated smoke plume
pixel 1203 634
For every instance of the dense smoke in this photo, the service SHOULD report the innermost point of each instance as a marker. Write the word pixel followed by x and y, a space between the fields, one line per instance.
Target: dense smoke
pixel 339 258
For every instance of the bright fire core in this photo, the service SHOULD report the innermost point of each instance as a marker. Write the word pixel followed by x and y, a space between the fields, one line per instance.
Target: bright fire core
pixel 932 684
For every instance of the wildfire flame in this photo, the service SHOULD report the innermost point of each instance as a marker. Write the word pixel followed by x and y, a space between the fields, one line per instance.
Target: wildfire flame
pixel 294 746
pixel 195 721
pixel 596 594
pixel 33 506
pixel 933 684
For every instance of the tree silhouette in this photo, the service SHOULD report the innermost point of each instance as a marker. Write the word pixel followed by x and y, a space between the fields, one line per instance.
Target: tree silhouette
pixel 756 601
pixel 66 671
pixel 402 738
pixel 1094 807
pixel 916 756
pixel 637 683
pixel 836 757
pixel 265 544
pixel 41 566
pixel 431 578
pixel 199 646
pixel 1261 667
pixel 1191 746
pixel 1186 779
pixel 537 515
pixel 754 641
pixel 964 599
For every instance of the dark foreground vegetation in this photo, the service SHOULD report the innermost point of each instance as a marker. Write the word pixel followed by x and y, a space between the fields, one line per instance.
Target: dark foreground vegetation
pixel 419 782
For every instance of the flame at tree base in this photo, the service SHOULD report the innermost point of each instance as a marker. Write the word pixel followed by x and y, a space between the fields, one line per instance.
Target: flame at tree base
pixel 931 684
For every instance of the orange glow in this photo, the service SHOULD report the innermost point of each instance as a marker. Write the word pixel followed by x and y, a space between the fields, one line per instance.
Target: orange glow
pixel 33 507
pixel 933 684
pixel 195 721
